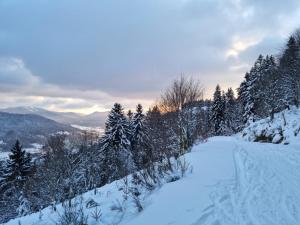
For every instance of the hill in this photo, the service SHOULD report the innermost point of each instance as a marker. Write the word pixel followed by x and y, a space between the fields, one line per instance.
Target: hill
pixel 28 128
pixel 96 119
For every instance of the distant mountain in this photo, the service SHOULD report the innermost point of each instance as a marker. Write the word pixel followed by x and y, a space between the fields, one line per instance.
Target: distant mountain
pixel 96 119
pixel 28 128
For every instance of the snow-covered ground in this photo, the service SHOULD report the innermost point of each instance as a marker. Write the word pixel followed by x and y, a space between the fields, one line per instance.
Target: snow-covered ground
pixel 284 128
pixel 233 182
pixel 98 130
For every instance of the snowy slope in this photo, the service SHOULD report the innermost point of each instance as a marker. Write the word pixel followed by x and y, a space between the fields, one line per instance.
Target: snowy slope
pixel 233 182
pixel 284 128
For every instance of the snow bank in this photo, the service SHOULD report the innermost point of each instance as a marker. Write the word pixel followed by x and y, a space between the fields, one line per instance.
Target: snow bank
pixel 284 128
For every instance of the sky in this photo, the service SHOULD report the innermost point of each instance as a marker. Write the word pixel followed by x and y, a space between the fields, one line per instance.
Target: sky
pixel 82 56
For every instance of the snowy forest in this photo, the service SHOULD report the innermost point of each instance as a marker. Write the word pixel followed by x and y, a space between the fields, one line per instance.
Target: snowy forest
pixel 146 143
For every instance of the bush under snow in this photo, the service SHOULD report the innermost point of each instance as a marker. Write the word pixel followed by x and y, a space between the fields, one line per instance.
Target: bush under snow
pixel 284 128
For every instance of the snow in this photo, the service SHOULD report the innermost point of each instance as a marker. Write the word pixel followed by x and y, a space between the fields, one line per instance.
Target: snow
pixel 98 130
pixel 233 182
pixel 63 133
pixel 3 155
pixel 284 128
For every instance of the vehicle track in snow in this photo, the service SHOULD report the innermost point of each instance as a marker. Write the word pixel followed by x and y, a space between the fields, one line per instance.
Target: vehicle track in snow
pixel 264 191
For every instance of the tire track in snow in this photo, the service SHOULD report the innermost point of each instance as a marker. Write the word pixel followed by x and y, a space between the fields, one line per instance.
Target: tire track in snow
pixel 265 190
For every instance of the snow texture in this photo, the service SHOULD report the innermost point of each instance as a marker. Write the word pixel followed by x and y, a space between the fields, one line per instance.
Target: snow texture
pixel 233 182
pixel 284 128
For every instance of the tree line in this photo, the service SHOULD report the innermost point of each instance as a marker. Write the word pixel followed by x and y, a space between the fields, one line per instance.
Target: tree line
pixel 271 85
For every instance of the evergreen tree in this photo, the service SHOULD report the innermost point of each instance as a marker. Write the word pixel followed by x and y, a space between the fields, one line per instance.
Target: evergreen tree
pixel 130 124
pixel 217 112
pixel 115 145
pixel 140 140
pixel 290 70
pixel 19 166
pixel 17 172
pixel 269 89
pixel 230 112
pixel 248 91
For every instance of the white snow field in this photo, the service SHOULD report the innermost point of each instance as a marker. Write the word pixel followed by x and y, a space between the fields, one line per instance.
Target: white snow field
pixel 233 182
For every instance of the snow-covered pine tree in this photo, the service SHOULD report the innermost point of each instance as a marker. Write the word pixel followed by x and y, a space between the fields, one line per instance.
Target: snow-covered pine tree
pixel 289 64
pixel 115 146
pixel 140 145
pixel 243 94
pixel 268 88
pixel 130 124
pixel 217 112
pixel 17 171
pixel 248 91
pixel 18 166
pixel 231 119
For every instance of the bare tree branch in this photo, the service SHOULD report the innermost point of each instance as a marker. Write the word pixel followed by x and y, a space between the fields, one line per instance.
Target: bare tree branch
pixel 182 91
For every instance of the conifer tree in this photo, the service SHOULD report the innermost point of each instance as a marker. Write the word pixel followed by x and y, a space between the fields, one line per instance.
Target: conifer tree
pixel 130 124
pixel 17 171
pixel 18 166
pixel 269 99
pixel 140 139
pixel 290 70
pixel 115 145
pixel 248 94
pixel 217 112
pixel 230 112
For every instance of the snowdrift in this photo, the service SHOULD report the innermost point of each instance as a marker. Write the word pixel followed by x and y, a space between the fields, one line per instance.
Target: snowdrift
pixel 284 128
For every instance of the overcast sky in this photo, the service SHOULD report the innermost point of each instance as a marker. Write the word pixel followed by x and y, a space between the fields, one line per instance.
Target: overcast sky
pixel 85 55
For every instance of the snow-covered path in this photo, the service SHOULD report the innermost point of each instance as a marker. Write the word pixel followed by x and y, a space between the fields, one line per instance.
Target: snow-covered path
pixel 233 183
pixel 264 191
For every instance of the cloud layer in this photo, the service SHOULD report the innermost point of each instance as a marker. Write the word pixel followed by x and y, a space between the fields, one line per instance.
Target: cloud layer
pixel 87 54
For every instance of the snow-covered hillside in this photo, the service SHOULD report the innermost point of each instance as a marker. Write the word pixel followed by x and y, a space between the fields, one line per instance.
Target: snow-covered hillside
pixel 233 182
pixel 284 128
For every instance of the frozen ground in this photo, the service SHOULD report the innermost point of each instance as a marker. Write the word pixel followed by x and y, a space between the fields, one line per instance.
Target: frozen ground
pixel 233 182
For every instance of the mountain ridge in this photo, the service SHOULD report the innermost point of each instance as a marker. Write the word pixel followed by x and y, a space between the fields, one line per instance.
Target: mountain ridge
pixel 28 128
pixel 95 119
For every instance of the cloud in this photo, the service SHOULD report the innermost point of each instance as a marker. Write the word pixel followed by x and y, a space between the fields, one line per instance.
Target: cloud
pixel 20 86
pixel 13 73
pixel 103 51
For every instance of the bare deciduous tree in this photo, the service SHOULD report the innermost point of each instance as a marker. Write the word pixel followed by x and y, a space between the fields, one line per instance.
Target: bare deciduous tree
pixel 182 91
